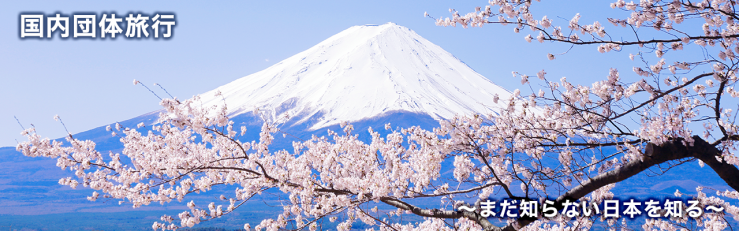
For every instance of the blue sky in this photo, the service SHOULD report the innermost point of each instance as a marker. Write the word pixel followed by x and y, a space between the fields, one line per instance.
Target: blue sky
pixel 88 83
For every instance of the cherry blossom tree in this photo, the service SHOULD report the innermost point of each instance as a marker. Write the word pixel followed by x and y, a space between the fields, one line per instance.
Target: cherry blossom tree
pixel 657 94
pixel 564 141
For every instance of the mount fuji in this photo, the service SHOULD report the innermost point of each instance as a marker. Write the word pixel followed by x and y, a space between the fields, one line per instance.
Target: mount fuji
pixel 360 73
pixel 367 75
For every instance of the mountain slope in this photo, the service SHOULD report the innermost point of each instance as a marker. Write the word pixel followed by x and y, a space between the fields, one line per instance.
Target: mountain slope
pixel 360 73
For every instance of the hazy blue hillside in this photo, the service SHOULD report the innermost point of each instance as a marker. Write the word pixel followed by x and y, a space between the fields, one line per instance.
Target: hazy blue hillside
pixel 33 199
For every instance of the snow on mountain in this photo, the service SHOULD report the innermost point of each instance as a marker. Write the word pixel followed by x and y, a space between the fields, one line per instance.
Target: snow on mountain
pixel 362 72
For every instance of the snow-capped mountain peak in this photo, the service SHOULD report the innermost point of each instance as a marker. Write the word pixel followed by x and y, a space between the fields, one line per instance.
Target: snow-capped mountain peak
pixel 362 72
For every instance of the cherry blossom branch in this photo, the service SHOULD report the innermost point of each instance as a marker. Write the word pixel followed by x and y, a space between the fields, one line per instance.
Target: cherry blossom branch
pixel 654 155
pixel 439 213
